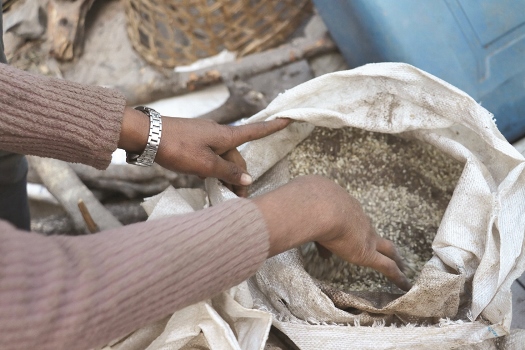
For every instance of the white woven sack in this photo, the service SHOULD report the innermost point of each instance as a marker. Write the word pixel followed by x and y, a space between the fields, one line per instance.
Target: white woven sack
pixel 481 237
pixel 226 322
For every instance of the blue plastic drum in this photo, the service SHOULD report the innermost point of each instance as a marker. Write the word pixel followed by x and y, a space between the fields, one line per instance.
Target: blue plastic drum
pixel 476 45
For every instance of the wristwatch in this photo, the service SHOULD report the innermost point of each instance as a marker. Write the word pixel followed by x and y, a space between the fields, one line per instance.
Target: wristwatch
pixel 147 157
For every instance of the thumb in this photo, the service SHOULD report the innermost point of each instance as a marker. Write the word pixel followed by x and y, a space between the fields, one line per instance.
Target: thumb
pixel 232 173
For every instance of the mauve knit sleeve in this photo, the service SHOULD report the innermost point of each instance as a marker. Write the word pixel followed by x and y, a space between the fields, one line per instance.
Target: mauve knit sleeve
pixel 58 119
pixel 79 292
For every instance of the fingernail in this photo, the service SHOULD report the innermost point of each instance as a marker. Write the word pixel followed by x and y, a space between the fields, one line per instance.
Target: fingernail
pixel 246 180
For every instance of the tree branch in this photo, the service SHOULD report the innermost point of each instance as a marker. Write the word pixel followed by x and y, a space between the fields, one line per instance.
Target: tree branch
pixel 64 184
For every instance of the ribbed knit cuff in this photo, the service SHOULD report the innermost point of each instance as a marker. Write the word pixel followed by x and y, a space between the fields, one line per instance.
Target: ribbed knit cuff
pixel 63 292
pixel 58 119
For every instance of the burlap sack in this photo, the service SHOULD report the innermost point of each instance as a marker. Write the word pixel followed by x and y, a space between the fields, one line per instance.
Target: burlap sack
pixel 478 247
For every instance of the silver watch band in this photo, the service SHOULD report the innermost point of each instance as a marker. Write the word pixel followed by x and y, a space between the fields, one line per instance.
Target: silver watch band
pixel 147 157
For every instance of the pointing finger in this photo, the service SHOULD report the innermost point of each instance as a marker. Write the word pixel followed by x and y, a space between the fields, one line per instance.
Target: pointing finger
pixel 235 157
pixel 249 132
pixel 231 173
pixel 388 248
pixel 389 268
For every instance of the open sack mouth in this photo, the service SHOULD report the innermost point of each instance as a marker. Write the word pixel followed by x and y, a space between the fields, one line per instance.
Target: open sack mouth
pixel 403 185
pixel 428 165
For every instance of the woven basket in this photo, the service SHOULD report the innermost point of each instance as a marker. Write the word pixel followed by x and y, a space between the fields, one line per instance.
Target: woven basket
pixel 173 33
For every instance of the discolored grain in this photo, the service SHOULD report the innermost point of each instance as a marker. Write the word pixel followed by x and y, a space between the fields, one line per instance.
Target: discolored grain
pixel 403 185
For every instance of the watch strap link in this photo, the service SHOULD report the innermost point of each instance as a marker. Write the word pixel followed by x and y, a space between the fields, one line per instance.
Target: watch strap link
pixel 147 158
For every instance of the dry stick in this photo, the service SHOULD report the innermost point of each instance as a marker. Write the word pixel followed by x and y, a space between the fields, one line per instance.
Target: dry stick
pixel 127 212
pixel 257 63
pixel 90 223
pixel 129 189
pixel 132 181
pixel 6 4
pixel 124 172
pixel 66 21
pixel 184 82
pixel 243 102
pixel 64 184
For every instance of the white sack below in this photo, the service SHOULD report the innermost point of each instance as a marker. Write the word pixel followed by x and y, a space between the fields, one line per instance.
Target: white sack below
pixel 226 322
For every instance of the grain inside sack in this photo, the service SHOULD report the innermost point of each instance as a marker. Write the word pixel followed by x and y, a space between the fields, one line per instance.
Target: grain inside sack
pixel 403 185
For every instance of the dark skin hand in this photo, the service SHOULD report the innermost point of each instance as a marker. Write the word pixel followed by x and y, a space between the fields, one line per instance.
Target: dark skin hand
pixel 197 146
pixel 313 208
pixel 235 157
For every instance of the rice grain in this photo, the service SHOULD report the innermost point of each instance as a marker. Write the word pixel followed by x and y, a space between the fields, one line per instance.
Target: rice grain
pixel 403 185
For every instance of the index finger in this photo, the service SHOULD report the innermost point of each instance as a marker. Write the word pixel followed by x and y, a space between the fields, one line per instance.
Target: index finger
pixel 390 269
pixel 387 248
pixel 249 132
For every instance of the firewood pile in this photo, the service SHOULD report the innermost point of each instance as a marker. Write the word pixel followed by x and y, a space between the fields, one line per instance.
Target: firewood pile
pixel 86 41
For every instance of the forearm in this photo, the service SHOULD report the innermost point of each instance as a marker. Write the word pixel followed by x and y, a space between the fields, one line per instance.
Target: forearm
pixel 304 210
pixel 79 292
pixel 58 119
pixel 286 211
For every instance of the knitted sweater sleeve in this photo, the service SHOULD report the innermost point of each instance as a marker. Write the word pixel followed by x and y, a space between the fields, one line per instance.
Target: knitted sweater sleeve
pixel 58 119
pixel 64 292
pixel 78 292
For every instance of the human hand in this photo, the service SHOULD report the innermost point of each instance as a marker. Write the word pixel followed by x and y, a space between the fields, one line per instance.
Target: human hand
pixel 312 208
pixel 199 147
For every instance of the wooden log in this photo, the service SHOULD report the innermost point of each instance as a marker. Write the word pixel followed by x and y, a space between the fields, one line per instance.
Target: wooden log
pixel 129 189
pixel 247 97
pixel 250 65
pixel 6 4
pixel 251 96
pixel 124 172
pixel 66 22
pixel 132 181
pixel 127 212
pixel 55 224
pixel 298 49
pixel 243 102
pixel 67 188
pixel 184 82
